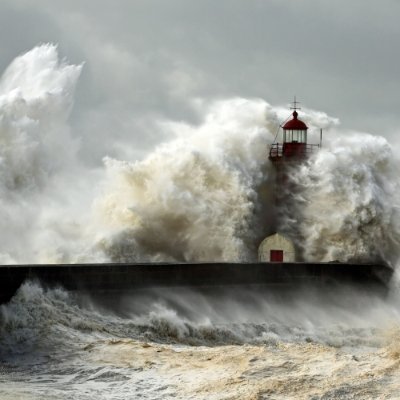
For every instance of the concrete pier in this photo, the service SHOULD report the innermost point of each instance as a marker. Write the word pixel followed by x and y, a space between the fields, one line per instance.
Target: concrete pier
pixel 120 278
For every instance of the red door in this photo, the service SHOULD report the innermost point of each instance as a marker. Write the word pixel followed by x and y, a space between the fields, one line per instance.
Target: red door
pixel 276 256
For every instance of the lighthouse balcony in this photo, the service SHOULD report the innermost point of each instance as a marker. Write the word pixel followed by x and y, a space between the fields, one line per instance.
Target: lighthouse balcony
pixel 291 150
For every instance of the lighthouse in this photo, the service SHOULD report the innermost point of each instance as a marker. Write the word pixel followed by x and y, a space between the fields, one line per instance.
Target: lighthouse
pixel 291 152
pixel 294 146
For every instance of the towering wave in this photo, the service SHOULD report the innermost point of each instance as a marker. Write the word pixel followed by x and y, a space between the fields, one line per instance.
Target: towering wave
pixel 194 198
pixel 36 148
pixel 349 201
pixel 204 195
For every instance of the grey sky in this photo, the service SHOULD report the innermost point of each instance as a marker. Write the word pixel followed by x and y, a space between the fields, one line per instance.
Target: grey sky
pixel 145 59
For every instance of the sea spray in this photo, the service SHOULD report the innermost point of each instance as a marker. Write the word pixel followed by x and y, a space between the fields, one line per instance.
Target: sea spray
pixel 207 194
pixel 36 148
pixel 195 198
pixel 43 320
pixel 348 202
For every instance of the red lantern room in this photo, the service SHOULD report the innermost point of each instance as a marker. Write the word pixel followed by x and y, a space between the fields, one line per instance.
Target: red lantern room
pixel 294 142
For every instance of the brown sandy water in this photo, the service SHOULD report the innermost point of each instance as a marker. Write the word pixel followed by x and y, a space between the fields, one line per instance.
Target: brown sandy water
pixel 183 344
pixel 282 371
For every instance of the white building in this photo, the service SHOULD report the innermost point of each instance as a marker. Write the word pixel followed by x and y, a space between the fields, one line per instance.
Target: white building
pixel 276 248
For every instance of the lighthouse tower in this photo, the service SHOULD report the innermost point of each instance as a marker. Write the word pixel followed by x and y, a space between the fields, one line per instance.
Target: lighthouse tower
pixel 285 155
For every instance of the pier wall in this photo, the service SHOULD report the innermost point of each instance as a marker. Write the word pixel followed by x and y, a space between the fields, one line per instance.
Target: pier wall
pixel 116 278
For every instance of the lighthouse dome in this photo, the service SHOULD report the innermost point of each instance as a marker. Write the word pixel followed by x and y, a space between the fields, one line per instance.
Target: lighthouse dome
pixel 295 123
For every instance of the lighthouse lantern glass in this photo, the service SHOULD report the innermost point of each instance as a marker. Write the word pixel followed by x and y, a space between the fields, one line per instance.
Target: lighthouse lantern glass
pixel 294 136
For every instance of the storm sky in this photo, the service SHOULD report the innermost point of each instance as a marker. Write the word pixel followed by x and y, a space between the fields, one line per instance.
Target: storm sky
pixel 149 60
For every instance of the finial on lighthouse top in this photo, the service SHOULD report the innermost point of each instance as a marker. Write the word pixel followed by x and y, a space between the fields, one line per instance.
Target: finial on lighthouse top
pixel 295 123
pixel 295 107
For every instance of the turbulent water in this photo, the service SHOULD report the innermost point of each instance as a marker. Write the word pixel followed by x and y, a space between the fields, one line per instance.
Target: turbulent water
pixel 204 194
pixel 243 344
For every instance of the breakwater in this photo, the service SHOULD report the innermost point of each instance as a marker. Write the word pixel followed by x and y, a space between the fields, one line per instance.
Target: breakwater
pixel 119 278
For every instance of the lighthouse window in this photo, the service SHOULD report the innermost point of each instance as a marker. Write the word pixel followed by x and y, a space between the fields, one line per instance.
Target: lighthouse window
pixel 302 136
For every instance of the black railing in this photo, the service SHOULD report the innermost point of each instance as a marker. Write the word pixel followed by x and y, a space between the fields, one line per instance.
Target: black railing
pixel 276 150
pixel 292 149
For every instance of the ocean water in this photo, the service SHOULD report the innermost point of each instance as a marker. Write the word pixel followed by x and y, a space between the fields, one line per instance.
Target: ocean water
pixel 204 193
pixel 242 343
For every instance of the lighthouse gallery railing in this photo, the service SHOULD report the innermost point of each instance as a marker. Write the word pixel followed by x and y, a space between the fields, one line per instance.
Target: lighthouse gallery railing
pixel 290 149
